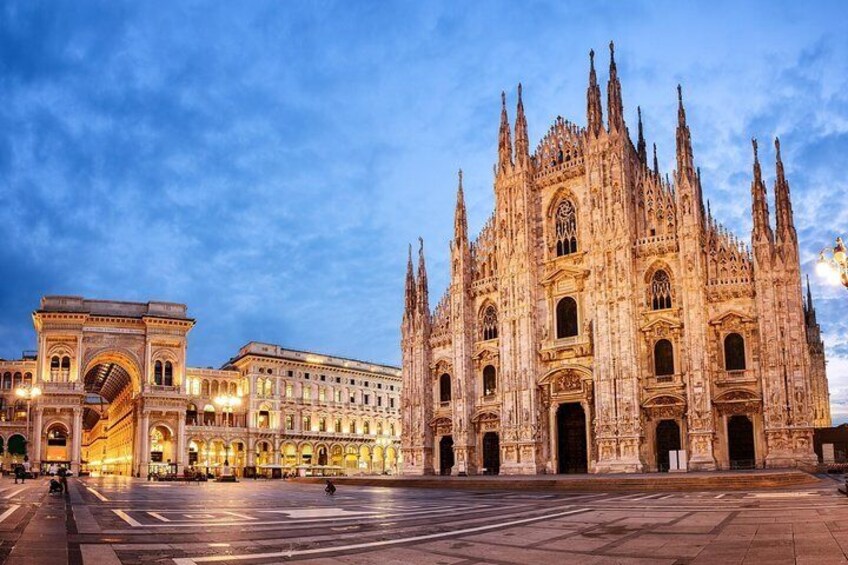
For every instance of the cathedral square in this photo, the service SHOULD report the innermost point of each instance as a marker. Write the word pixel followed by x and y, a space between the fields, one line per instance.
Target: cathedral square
pixel 218 345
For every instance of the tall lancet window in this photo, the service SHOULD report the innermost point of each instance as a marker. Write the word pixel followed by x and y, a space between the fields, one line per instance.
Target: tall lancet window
pixel 490 323
pixel 660 291
pixel 566 228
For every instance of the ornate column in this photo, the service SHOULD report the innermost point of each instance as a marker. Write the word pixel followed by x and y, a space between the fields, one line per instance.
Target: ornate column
pixel 76 445
pixel 182 445
pixel 144 450
pixel 36 436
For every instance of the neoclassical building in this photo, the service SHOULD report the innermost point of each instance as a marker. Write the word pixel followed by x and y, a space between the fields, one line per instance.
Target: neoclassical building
pixel 603 317
pixel 117 397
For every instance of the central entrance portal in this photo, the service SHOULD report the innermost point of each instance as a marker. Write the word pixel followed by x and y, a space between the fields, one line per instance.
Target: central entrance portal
pixel 571 439
pixel 740 441
pixel 445 455
pixel 668 439
pixel 491 453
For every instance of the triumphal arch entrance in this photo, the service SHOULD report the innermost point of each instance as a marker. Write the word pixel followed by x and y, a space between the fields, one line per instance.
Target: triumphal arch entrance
pixel 112 380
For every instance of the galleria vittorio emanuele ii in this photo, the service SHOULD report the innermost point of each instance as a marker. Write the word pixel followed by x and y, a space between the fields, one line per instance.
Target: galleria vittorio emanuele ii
pixel 603 317
pixel 115 397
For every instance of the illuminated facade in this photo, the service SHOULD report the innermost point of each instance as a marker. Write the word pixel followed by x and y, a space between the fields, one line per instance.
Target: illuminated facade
pixel 603 318
pixel 118 398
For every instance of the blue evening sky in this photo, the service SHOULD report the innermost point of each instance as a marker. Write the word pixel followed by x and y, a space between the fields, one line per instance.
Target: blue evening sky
pixel 268 162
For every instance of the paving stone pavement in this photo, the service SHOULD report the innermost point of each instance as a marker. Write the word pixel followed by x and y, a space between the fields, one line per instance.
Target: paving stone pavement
pixel 108 521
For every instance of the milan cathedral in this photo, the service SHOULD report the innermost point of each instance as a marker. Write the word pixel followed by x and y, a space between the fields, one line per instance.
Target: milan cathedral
pixel 603 320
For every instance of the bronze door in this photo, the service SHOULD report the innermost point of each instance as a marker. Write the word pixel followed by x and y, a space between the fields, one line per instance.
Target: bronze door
pixel 571 438
pixel 668 439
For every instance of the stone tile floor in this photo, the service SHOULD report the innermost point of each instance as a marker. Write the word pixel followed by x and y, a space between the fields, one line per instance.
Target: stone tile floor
pixel 116 520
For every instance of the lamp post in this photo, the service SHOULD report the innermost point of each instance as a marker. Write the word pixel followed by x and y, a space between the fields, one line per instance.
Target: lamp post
pixel 227 402
pixel 833 263
pixel 29 393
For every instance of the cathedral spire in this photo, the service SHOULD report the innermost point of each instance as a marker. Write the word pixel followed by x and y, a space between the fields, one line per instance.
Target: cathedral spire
pixel 783 204
pixel 421 293
pixel 615 108
pixel 522 141
pixel 685 161
pixel 656 162
pixel 762 229
pixel 460 222
pixel 594 114
pixel 641 146
pixel 410 285
pixel 504 140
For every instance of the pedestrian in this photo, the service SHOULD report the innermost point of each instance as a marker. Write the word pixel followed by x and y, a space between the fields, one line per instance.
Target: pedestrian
pixel 330 489
pixel 63 479
pixel 52 470
pixel 26 467
pixel 19 473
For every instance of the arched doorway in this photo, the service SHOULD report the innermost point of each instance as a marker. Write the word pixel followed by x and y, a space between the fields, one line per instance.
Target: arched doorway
pixel 378 459
pixel 57 445
pixel 161 451
pixel 445 455
pixel 491 453
pixel 571 439
pixel 668 439
pixel 740 442
pixel 365 459
pixel 322 455
pixel 17 447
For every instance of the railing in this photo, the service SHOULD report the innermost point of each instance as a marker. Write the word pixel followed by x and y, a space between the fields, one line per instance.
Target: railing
pixel 60 386
pixel 161 389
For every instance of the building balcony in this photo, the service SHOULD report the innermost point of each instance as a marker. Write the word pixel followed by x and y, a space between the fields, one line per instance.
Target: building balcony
pixel 161 390
pixel 48 387
pixel 730 378
pixel 664 382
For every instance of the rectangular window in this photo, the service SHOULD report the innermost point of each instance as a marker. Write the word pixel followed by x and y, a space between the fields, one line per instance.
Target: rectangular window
pixel 379 385
pixel 323 377
pixel 289 422
pixel 379 401
pixel 391 403
pixel 306 376
pixel 353 382
pixel 321 395
pixel 367 398
pixel 307 393
pixel 353 399
pixel 289 391
pixel 337 395
pixel 338 426
pixel 338 380
pixel 365 383
pixel 307 424
pixel 290 373
pixel 322 425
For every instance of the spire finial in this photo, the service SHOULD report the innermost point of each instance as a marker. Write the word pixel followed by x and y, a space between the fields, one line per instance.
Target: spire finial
pixel 612 55
pixel 756 154
pixel 679 94
pixel 656 162
pixel 777 147
pixel 503 99
pixel 641 147
pixel 519 93
pixel 460 178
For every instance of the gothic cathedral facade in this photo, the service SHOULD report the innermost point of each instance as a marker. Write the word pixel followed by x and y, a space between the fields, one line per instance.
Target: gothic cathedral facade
pixel 603 318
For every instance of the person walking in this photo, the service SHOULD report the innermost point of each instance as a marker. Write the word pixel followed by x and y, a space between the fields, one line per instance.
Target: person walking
pixel 19 473
pixel 330 489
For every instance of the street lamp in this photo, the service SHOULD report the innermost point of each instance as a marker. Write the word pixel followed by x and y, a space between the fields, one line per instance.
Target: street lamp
pixel 29 393
pixel 833 263
pixel 227 402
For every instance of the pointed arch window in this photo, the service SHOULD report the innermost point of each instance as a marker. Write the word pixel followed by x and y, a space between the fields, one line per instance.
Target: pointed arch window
pixel 663 358
pixel 490 323
pixel 445 388
pixel 490 380
pixel 734 352
pixel 566 228
pixel 566 318
pixel 660 291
